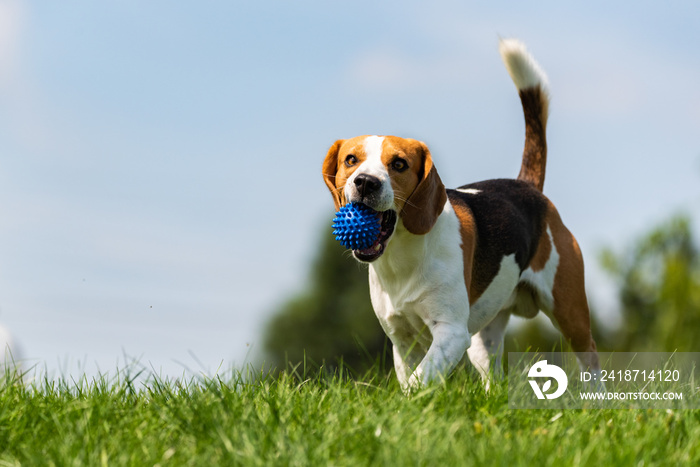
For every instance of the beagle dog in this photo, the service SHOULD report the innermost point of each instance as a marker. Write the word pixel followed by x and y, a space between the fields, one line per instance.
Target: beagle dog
pixel 451 265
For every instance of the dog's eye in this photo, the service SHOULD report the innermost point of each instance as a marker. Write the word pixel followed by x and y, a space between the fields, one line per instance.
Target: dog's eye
pixel 399 164
pixel 350 160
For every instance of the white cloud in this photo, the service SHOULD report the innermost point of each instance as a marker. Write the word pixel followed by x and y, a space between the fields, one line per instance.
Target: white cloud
pixel 12 17
pixel 20 112
pixel 384 70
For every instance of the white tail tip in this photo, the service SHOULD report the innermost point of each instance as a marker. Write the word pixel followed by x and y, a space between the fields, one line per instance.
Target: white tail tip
pixel 522 67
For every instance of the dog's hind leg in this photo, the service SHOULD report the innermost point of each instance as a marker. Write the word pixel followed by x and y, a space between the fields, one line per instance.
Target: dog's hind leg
pixel 570 312
pixel 486 350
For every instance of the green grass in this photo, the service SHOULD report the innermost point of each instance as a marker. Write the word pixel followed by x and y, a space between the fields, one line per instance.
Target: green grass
pixel 324 420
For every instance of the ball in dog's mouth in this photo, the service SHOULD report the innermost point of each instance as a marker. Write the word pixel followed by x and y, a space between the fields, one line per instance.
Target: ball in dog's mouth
pixel 371 253
pixel 356 226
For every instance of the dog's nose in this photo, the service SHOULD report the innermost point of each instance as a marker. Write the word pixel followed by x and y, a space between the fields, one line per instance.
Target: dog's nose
pixel 367 184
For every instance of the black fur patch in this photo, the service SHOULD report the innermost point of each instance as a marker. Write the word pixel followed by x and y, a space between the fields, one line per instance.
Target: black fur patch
pixel 509 218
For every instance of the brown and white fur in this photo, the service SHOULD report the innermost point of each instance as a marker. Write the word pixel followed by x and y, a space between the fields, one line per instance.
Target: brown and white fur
pixel 451 266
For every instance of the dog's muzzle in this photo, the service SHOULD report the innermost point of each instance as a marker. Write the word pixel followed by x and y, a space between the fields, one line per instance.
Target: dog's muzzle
pixel 368 190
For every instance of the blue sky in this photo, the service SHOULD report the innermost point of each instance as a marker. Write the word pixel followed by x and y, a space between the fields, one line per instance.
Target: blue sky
pixel 160 188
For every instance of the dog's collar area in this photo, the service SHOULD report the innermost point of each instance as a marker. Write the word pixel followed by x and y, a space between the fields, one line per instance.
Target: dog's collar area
pixel 376 250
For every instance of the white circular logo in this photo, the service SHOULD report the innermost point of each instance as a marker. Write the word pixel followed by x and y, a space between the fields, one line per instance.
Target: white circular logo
pixel 542 370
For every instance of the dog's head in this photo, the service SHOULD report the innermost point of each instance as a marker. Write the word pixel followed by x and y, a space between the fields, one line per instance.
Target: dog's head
pixel 392 175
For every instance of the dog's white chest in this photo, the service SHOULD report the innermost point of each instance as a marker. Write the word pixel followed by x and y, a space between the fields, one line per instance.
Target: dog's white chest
pixel 420 281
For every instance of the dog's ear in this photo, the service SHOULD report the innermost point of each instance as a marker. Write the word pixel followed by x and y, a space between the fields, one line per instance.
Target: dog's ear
pixel 330 169
pixel 427 201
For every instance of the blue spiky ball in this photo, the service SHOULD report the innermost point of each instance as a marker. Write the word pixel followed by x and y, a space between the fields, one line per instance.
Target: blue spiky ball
pixel 356 226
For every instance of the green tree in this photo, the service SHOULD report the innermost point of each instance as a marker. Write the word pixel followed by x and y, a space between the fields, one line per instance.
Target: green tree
pixel 331 319
pixel 659 283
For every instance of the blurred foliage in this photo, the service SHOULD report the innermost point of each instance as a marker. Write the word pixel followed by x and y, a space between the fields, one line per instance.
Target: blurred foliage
pixel 659 289
pixel 331 320
pixel 658 277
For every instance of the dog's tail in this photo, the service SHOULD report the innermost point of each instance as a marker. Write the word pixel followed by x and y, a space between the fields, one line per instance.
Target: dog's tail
pixel 532 87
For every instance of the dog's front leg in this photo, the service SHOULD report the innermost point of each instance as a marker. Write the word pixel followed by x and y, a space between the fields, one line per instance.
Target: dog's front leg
pixel 404 362
pixel 450 342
